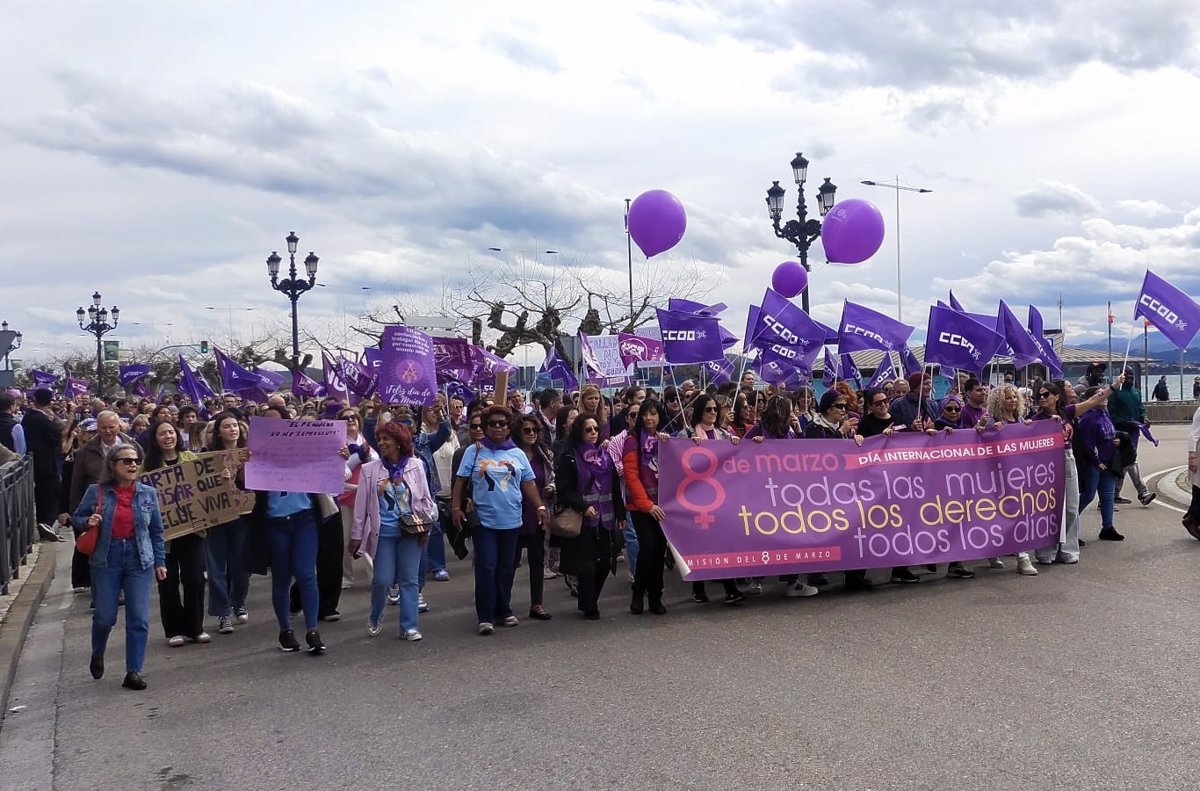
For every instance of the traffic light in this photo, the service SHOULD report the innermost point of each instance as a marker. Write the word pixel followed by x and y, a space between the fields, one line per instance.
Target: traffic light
pixel 204 347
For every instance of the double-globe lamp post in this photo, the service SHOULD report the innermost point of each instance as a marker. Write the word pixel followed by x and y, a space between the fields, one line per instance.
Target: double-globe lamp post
pixel 98 325
pixel 801 231
pixel 293 286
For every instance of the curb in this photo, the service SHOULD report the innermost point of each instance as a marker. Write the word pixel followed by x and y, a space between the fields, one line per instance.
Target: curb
pixel 20 617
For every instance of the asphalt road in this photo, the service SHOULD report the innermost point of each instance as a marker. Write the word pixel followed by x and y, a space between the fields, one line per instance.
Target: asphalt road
pixel 1075 679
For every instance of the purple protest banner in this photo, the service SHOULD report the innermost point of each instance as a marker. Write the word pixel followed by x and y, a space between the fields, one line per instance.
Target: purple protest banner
pixel 794 506
pixel 408 373
pixel 452 357
pixel 296 455
pixel 43 378
pixel 335 385
pixel 75 387
pixel 485 367
pixel 640 349
pixel 358 377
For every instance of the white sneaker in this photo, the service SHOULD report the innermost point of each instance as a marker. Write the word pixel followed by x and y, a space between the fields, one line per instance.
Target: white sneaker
pixel 203 637
pixel 422 605
pixel 754 588
pixel 801 589
pixel 995 563
pixel 176 641
pixel 240 615
pixel 224 625
pixel 374 629
pixel 1026 568
pixel 347 584
pixel 393 594
pixel 412 635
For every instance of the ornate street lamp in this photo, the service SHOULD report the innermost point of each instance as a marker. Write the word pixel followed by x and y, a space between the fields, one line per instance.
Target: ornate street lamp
pixel 98 325
pixel 293 286
pixel 801 231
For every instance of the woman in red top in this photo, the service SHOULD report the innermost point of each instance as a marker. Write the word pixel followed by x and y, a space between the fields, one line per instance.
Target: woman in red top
pixel 640 471
pixel 129 555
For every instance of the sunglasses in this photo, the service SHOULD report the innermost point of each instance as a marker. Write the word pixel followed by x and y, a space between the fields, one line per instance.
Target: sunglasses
pixel 711 409
pixel 590 429
pixel 672 400
pixel 497 424
pixel 840 405
pixel 530 430
pixel 474 426
pixel 128 460
pixel 879 402
pixel 1044 395
pixel 631 415
pixel 952 409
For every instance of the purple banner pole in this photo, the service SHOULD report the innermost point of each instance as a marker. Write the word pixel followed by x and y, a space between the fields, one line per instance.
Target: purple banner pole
pixel 795 506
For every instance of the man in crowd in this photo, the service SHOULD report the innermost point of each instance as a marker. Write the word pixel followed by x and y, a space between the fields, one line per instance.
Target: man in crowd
pixel 549 402
pixel 1128 413
pixel 89 460
pixel 11 434
pixel 43 438
pixel 916 409
pixel 974 408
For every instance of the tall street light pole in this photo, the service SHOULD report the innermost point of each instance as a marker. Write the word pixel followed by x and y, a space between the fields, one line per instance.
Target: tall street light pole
pixel 98 325
pixel 293 286
pixel 898 187
pixel 801 231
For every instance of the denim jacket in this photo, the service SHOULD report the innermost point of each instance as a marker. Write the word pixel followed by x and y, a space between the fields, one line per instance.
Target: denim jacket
pixel 147 524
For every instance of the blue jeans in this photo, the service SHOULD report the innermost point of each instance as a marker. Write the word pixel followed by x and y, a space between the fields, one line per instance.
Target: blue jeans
pixel 124 573
pixel 228 581
pixel 1093 481
pixel 434 555
pixel 293 542
pixel 495 567
pixel 631 545
pixel 397 558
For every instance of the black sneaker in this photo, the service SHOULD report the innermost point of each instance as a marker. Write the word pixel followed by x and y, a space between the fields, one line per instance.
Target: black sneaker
pixel 1147 498
pixel 287 642
pixel 959 572
pixel 931 568
pixel 1111 534
pixel 332 615
pixel 1122 500
pixel 735 598
pixel 818 580
pixel 700 598
pixel 858 582
pixel 313 638
pixel 97 667
pixel 47 533
pixel 904 575
pixel 134 681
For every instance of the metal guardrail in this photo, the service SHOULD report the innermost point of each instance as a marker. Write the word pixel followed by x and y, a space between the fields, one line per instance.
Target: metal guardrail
pixel 17 518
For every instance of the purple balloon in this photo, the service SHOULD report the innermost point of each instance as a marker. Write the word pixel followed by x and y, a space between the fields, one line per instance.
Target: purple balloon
pixel 789 278
pixel 852 231
pixel 656 221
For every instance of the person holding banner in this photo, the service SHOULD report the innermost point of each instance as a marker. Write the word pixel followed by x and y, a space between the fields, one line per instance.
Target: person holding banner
pixel 1005 405
pixel 392 510
pixel 532 535
pixel 588 482
pixel 360 453
pixel 129 554
pixel 225 544
pixel 182 616
pixel 500 476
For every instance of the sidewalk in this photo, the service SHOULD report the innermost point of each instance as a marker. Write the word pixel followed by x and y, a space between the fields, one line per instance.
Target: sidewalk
pixel 17 610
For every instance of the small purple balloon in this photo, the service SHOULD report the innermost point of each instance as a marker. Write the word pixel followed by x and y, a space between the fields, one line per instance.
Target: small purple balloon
pixel 657 221
pixel 789 278
pixel 852 231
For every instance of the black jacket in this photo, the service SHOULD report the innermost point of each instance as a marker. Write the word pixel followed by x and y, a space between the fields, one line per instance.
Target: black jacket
pixel 43 441
pixel 567 494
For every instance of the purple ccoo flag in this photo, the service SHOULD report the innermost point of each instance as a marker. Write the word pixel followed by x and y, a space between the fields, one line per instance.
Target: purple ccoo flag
pixel 955 341
pixel 270 380
pixel 863 328
pixel 233 376
pixel 43 378
pixel 780 321
pixel 128 374
pixel 304 386
pixel 335 385
pixel 886 372
pixel 850 371
pixel 718 371
pixel 75 387
pixel 1037 330
pixel 911 364
pixel 690 338
pixel 559 371
pixel 1170 310
pixel 832 370
pixel 189 383
pixel 1025 350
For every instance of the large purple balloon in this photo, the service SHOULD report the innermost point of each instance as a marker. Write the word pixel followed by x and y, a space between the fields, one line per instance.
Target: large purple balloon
pixel 656 221
pixel 789 278
pixel 852 231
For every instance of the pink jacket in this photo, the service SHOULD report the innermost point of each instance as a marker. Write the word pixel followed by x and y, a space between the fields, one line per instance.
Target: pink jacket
pixel 366 500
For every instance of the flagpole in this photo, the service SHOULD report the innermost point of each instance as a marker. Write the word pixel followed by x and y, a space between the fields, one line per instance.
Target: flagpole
pixel 1110 321
pixel 1128 344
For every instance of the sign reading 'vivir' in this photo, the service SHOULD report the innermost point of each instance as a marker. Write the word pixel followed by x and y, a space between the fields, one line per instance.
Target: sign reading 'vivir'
pixel 794 506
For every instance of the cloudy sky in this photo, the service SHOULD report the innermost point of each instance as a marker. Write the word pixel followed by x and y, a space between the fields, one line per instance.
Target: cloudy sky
pixel 158 152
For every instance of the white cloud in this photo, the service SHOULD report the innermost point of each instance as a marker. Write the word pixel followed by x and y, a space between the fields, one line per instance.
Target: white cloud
pixel 1052 197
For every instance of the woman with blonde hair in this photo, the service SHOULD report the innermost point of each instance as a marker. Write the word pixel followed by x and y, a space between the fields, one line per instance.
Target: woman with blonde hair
pixel 591 404
pixel 1005 404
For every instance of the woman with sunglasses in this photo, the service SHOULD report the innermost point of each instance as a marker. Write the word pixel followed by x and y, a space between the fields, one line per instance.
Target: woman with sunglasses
pixel 1055 404
pixel 592 404
pixel 831 423
pixel 743 417
pixel 129 555
pixel 675 421
pixel 588 482
pixel 182 615
pixel 951 416
pixel 532 536
pixel 500 476
pixel 473 433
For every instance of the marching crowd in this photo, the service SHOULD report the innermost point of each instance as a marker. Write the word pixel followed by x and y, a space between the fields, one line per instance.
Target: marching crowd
pixel 567 480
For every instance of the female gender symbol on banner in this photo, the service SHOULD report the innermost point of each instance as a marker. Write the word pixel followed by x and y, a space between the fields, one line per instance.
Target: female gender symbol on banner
pixel 691 476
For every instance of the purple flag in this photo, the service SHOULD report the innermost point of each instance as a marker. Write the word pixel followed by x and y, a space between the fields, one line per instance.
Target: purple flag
pixel 140 389
pixel 780 321
pixel 831 370
pixel 452 356
pixel 335 385
pixel 233 376
pixel 718 371
pixel 485 366
pixel 781 374
pixel 798 357
pixel 688 306
pixel 461 391
pixel 359 379
pixel 1171 311
pixel 886 372
pixel 75 387
pixel 128 374
pixel 408 374
pixel 1037 330
pixel 955 341
pixel 690 338
pixel 270 380
pixel 43 378
pixel 559 371
pixel 1025 349
pixel 189 384
pixel 304 386
pixel 911 364
pixel 863 328
pixel 639 349
pixel 954 303
pixel 850 371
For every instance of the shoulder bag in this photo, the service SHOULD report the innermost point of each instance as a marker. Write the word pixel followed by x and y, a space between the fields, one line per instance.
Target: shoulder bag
pixel 86 543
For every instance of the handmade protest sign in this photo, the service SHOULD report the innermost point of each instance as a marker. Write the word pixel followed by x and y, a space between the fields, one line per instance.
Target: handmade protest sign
pixel 296 455
pixel 793 506
pixel 407 373
pixel 196 495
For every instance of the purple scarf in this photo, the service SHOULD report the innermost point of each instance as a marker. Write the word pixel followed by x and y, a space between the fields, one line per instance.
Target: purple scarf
pixel 395 471
pixel 507 444
pixel 595 468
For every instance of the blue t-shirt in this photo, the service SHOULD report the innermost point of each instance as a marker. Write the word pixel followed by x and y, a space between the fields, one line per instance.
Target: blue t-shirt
pixel 281 504
pixel 496 478
pixel 394 501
